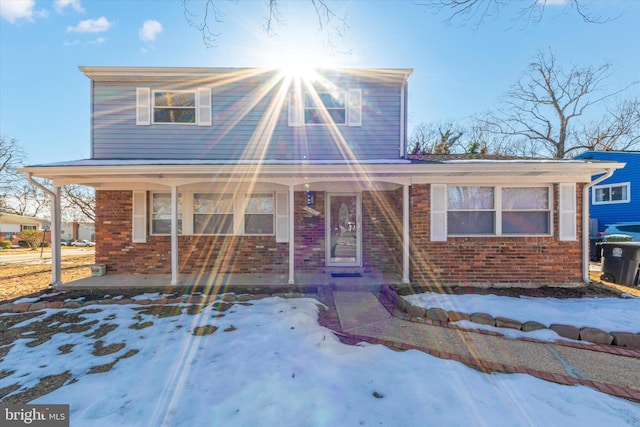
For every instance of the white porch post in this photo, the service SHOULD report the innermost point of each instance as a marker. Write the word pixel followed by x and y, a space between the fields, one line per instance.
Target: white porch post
pixel 405 233
pixel 291 238
pixel 174 235
pixel 56 225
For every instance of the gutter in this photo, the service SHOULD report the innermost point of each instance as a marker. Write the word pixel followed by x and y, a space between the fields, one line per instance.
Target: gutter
pixel 585 222
pixel 56 276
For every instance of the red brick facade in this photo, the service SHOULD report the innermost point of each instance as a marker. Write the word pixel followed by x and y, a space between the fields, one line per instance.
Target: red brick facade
pixel 492 260
pixel 459 260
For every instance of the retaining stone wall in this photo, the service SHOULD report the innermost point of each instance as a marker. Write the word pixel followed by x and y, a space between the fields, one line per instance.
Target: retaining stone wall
pixel 443 317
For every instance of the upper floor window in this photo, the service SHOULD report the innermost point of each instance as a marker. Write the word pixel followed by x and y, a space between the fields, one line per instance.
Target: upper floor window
pixel 611 193
pixel 475 210
pixel 323 108
pixel 29 227
pixel 338 107
pixel 174 107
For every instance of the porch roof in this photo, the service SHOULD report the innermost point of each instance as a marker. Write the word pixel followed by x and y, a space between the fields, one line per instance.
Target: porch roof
pixel 99 173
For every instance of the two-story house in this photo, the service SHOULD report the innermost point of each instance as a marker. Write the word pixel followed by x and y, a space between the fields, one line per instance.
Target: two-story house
pixel 219 170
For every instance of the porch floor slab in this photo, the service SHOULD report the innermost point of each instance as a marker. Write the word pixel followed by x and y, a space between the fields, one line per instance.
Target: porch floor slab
pixel 369 281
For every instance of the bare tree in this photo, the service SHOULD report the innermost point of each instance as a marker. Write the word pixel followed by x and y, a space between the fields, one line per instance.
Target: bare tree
pixel 208 15
pixel 543 109
pixel 435 138
pixel 24 199
pixel 79 202
pixel 11 156
pixel 474 12
pixel 618 130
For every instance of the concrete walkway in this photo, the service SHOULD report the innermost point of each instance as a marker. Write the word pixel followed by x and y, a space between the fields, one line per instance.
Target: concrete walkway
pixel 360 316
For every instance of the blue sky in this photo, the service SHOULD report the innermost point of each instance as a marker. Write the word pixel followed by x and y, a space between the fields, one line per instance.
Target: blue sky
pixel 458 70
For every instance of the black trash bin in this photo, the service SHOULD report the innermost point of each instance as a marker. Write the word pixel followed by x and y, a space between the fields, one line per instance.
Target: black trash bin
pixel 621 262
pixel 595 250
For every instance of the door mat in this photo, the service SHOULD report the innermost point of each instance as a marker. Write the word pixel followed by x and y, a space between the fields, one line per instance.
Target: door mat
pixel 346 274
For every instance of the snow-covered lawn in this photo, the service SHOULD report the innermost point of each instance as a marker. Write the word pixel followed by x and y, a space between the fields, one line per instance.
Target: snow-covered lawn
pixel 608 314
pixel 270 364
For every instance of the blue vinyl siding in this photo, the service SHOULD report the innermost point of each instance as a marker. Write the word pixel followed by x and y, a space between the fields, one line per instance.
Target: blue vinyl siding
pixel 618 212
pixel 245 125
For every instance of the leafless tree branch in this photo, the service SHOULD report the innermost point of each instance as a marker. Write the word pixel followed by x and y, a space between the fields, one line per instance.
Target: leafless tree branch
pixel 546 105
pixel 474 12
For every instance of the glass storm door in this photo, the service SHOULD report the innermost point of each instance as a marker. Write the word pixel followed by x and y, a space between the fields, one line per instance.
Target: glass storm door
pixel 343 230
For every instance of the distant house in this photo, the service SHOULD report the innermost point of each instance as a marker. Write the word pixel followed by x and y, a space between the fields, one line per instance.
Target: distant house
pixel 77 230
pixel 617 198
pixel 266 172
pixel 11 225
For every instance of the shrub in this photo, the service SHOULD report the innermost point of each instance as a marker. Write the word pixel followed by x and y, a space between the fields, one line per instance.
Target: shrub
pixel 5 244
pixel 32 238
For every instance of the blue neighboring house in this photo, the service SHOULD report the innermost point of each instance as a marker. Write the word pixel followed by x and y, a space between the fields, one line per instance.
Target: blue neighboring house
pixel 616 199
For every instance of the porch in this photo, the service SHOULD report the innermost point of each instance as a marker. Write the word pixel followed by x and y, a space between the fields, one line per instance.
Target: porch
pixel 238 281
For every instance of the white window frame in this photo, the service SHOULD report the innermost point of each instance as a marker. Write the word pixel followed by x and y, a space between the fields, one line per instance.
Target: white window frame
pixel 352 107
pixel 194 108
pixel 181 215
pixel 245 212
pixel 494 210
pixel 231 212
pixel 498 210
pixel 187 214
pixel 315 96
pixel 594 200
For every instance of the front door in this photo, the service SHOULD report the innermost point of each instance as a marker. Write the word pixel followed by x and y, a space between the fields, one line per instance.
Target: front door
pixel 343 230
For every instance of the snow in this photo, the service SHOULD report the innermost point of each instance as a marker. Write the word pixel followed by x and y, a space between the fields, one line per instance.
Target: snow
pixel 608 314
pixel 270 364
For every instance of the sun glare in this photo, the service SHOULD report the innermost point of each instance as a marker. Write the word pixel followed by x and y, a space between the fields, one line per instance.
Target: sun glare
pixel 300 64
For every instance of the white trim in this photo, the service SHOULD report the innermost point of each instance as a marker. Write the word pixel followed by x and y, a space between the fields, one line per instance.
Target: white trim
pixel 143 106
pixel 281 213
pixel 295 111
pixel 567 221
pixel 610 186
pixel 203 106
pixel 354 107
pixel 139 217
pixel 292 257
pixel 174 235
pixel 438 220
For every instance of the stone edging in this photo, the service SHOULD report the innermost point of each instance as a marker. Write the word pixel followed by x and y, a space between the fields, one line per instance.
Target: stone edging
pixel 11 307
pixel 444 317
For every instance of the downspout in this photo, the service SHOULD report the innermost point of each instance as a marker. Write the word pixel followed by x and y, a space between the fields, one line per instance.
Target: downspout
pixel 585 223
pixel 56 265
pixel 403 119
